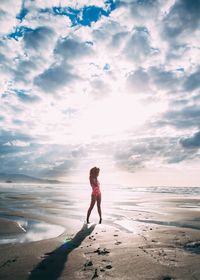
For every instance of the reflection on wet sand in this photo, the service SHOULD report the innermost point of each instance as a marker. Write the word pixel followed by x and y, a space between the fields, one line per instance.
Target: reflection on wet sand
pixel 31 230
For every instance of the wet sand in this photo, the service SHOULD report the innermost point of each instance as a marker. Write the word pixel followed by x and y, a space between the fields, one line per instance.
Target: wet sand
pixel 154 239
pixel 9 227
pixel 107 253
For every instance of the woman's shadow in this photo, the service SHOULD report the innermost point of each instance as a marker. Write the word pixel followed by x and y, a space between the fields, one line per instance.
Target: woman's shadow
pixel 52 265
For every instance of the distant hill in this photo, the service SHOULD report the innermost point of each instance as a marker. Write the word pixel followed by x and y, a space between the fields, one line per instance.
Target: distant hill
pixel 21 178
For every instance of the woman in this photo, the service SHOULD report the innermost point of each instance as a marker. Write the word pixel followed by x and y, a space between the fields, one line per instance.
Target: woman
pixel 96 193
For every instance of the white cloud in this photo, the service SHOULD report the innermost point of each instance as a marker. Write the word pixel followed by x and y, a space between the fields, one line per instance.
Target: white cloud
pixel 69 3
pixel 55 77
pixel 38 39
pixel 138 82
pixel 70 48
pixel 125 86
pixel 8 11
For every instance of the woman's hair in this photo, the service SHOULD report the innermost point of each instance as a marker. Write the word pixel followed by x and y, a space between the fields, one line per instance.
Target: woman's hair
pixel 94 171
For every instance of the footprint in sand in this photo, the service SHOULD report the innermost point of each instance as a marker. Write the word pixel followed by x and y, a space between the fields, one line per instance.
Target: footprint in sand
pixel 92 237
pixel 8 262
pixel 88 265
pixel 118 242
pixel 109 266
pixel 102 269
pixel 103 251
pixel 103 265
pixel 106 264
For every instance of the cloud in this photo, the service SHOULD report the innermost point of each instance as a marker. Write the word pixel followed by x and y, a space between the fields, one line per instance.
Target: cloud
pixel 141 9
pixel 120 77
pixel 12 145
pixel 138 81
pixel 182 19
pixel 22 153
pixel 99 88
pixel 55 77
pixel 119 38
pixel 59 170
pixel 38 38
pixel 27 97
pixel 187 117
pixel 164 79
pixel 57 160
pixel 153 80
pixel 26 69
pixel 138 46
pixel 8 11
pixel 151 152
pixel 82 14
pixel 192 82
pixel 7 136
pixel 191 142
pixel 2 59
pixel 71 48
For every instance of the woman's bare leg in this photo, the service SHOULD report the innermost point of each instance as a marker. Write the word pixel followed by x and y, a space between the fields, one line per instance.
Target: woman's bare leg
pixel 99 207
pixel 92 203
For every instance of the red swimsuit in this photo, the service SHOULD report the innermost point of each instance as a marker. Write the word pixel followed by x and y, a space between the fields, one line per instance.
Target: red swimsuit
pixel 95 187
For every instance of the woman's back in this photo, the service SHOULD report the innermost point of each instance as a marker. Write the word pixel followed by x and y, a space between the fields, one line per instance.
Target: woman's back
pixel 95 185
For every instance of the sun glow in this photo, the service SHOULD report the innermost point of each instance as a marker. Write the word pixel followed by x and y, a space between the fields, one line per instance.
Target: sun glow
pixel 111 117
pixel 95 120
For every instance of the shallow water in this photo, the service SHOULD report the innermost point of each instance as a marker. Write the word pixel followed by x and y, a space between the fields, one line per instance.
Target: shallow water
pixel 33 230
pixel 123 207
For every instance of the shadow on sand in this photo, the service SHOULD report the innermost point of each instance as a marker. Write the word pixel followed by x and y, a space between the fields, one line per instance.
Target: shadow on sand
pixel 52 265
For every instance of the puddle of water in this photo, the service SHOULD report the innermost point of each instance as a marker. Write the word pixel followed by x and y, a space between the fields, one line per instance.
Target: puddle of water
pixel 165 223
pixel 33 231
pixel 193 247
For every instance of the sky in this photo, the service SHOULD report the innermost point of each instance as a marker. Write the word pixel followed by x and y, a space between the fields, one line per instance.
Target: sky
pixel 113 84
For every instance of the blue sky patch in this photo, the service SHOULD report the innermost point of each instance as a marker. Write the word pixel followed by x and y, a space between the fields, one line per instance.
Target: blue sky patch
pixel 19 32
pixel 22 14
pixel 85 16
pixel 106 67
pixel 26 97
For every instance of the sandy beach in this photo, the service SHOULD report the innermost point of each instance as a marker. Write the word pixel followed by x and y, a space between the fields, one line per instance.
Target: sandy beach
pixel 149 235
